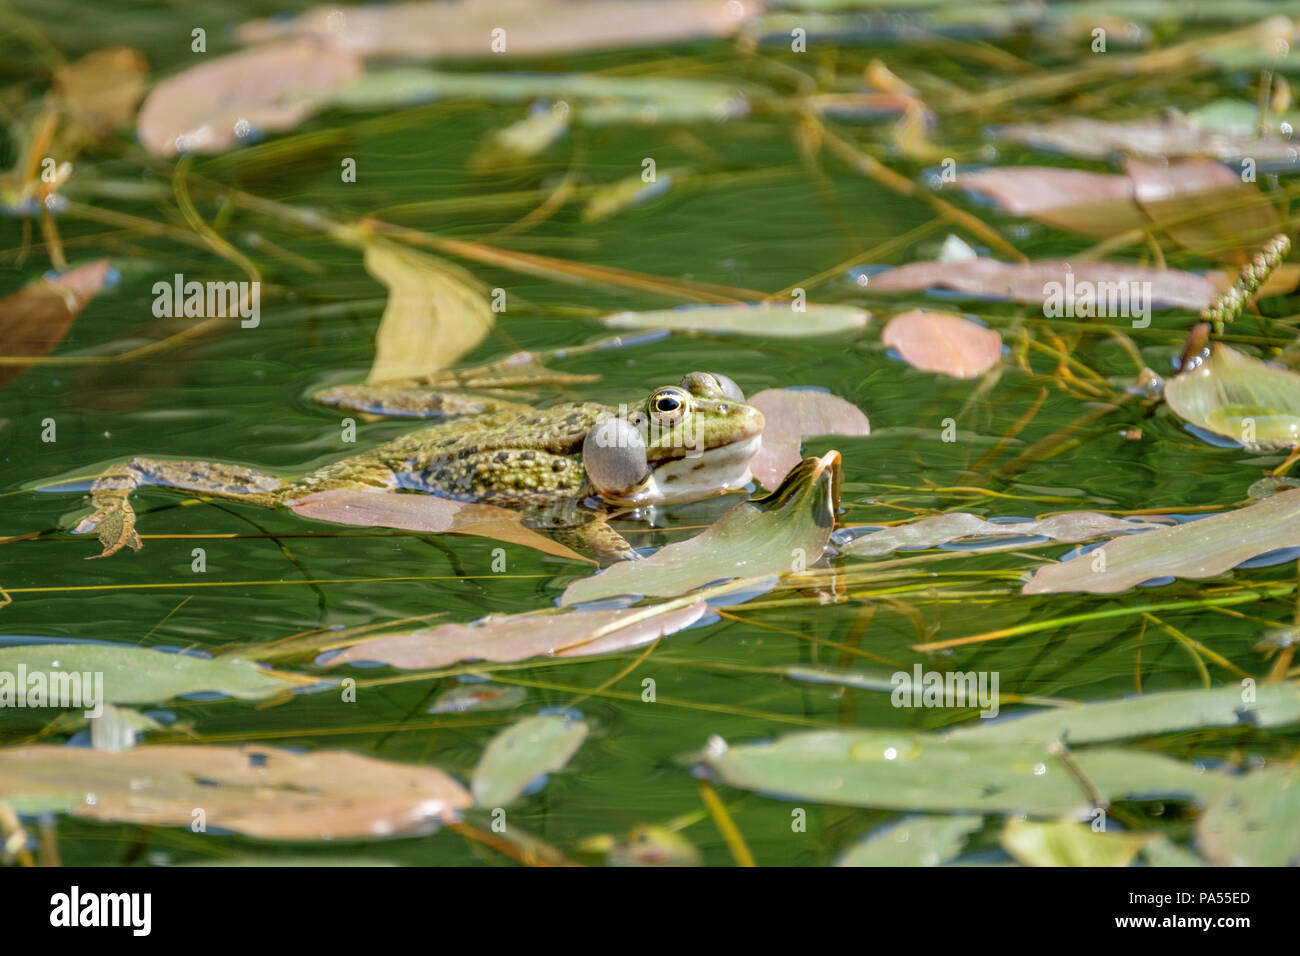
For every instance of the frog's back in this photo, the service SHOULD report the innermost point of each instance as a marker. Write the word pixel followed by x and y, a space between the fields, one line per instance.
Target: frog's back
pixel 511 458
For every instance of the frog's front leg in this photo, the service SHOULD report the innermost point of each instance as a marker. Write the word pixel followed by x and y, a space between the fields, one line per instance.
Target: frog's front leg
pixel 114 518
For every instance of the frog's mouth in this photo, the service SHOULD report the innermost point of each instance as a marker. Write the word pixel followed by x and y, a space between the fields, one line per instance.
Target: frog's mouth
pixel 718 471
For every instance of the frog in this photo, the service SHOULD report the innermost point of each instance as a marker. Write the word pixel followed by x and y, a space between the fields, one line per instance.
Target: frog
pixel 567 469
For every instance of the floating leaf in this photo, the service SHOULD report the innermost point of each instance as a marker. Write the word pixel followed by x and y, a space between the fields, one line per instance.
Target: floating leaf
pixel 411 512
pixel 1162 851
pixel 522 140
pixel 1240 397
pixel 476 696
pixel 517 637
pixel 944 343
pixel 788 528
pixel 221 102
pixel 436 312
pixel 1170 191
pixel 1273 705
pixel 916 841
pixel 1255 821
pixel 1092 204
pixel 137 675
pixel 647 845
pixel 1066 843
pixel 774 319
pixel 1197 549
pixel 258 791
pixel 100 91
pixel 961 526
pixel 792 414
pixel 532 28
pixel 901 771
pixel 35 319
pixel 1036 283
pixel 521 753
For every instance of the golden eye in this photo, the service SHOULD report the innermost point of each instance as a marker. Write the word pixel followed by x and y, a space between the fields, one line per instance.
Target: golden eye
pixel 668 405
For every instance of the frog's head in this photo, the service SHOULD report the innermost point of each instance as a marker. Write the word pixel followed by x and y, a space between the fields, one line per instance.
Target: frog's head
pixel 681 443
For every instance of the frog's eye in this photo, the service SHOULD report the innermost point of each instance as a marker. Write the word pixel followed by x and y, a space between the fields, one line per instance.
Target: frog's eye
pixel 668 405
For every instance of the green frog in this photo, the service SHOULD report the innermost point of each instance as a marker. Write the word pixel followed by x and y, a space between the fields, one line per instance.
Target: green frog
pixel 567 468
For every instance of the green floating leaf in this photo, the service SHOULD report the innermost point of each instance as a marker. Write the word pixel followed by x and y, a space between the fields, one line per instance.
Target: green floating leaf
pixel 1239 397
pixel 1255 821
pixel 517 637
pixel 258 791
pixel 960 526
pixel 649 845
pixel 788 528
pixel 1066 843
pixel 137 675
pixel 1274 705
pixel 1196 549
pixel 925 772
pixel 1163 851
pixel 916 841
pixel 521 753
pixel 773 319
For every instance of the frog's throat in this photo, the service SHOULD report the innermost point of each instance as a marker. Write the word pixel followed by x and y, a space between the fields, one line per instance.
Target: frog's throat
pixel 717 471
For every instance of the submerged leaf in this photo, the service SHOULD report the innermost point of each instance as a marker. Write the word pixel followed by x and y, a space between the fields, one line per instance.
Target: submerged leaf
pixel 775 319
pixel 137 675
pixel 959 526
pixel 262 792
pixel 1197 549
pixel 1036 283
pixel 944 343
pixel 35 319
pixel 787 530
pixel 1240 397
pixel 898 770
pixel 517 637
pixel 521 753
pixel 792 414
pixel 916 841
pixel 1066 843
pixel 230 99
pixel 435 312
pixel 380 509
pixel 453 29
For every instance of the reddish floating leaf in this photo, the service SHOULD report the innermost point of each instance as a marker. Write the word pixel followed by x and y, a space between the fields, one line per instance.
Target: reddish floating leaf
pixel 944 343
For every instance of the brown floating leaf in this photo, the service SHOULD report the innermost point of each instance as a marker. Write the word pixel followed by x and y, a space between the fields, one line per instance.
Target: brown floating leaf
pixel 517 637
pixel 791 415
pixel 100 91
pixel 1092 204
pixel 262 792
pixel 944 343
pixel 959 525
pixel 413 512
pixel 1242 398
pixel 1068 843
pixel 464 28
pixel 1197 549
pixel 1172 190
pixel 435 312
pixel 1031 282
pixel 35 319
pixel 214 106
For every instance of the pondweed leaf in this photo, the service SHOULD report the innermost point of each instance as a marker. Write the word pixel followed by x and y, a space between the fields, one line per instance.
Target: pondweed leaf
pixel 773 319
pixel 517 637
pixel 521 753
pixel 961 526
pixel 944 343
pixel 788 530
pixel 262 792
pixel 1067 843
pixel 915 841
pixel 1197 549
pixel 137 675
pixel 792 414
pixel 1239 397
pixel 436 312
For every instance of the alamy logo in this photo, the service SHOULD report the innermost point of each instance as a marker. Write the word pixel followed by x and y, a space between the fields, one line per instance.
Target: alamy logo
pixel 68 689
pixel 1103 300
pixel 208 300
pixel 950 689
pixel 103 909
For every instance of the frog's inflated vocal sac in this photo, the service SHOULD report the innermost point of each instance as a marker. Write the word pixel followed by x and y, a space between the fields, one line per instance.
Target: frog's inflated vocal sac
pixel 565 467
